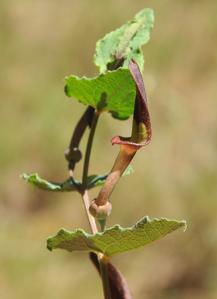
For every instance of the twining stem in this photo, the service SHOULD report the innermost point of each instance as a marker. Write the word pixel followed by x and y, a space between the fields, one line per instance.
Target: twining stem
pixel 102 259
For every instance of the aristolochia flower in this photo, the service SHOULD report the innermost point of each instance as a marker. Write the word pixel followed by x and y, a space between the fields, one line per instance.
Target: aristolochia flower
pixel 141 128
pixel 140 136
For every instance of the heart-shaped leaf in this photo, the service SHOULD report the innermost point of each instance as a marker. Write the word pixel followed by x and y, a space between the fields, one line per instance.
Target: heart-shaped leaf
pixel 115 239
pixel 114 92
pixel 124 44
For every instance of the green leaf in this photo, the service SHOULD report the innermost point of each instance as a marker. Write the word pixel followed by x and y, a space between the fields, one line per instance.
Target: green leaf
pixel 96 180
pixel 99 180
pixel 34 179
pixel 70 184
pixel 125 42
pixel 114 92
pixel 115 239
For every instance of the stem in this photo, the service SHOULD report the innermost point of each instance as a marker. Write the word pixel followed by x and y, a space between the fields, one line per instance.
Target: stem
pixel 102 259
pixel 91 219
pixel 88 150
pixel 84 191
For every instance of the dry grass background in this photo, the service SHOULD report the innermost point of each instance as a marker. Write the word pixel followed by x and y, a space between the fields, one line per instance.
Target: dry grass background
pixel 176 176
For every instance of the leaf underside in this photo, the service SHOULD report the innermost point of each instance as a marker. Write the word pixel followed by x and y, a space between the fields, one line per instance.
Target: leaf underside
pixel 70 184
pixel 36 180
pixel 125 42
pixel 114 92
pixel 115 239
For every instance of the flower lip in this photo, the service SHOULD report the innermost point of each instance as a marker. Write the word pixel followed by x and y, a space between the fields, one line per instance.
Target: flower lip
pixel 141 128
pixel 126 140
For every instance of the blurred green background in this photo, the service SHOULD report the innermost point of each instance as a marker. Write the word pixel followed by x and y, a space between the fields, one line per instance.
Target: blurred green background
pixel 176 176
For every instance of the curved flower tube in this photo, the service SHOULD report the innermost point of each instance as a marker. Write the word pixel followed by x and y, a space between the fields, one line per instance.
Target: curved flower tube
pixel 141 128
pixel 72 153
pixel 140 136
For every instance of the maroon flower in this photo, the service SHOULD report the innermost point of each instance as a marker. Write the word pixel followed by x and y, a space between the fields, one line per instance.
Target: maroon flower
pixel 140 136
pixel 141 128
